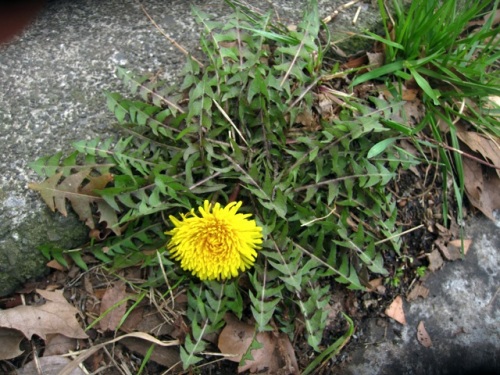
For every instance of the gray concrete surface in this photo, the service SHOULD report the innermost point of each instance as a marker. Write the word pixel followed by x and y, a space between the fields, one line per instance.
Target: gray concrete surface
pixel 461 315
pixel 52 79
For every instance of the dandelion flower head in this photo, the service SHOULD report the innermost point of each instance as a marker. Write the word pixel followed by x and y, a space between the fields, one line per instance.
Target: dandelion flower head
pixel 216 245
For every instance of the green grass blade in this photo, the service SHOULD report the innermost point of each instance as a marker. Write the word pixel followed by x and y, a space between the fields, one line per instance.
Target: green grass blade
pixel 333 349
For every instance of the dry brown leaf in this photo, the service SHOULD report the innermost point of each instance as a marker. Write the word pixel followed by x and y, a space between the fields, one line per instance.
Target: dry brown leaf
pixel 413 107
pixel 457 245
pixel 55 316
pixel 486 146
pixel 445 252
pixel 422 336
pixel 82 197
pixel 395 311
pixel 306 118
pixel 147 319
pixel 481 187
pixel 376 285
pixel 453 250
pixel 375 60
pixel 48 365
pixel 418 290
pixel 111 297
pixel 67 370
pixel 53 295
pixel 58 345
pixel 276 354
pixel 55 265
pixel 493 101
pixel 10 339
pixel 435 261
pixel 165 356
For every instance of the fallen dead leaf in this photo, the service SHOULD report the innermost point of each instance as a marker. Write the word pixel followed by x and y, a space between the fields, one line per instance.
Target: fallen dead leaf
pixel 376 285
pixel 395 311
pixel 55 265
pixel 58 344
pixel 55 316
pixel 480 22
pixel 481 187
pixel 413 107
pixel 10 339
pixel 418 290
pixel 486 146
pixel 453 250
pixel 435 261
pixel 275 356
pixel 52 295
pixel 355 62
pixel 493 102
pixel 306 118
pixel 87 353
pixel 149 320
pixel 112 297
pixel 165 356
pixel 422 336
pixel 375 60
pixel 48 365
pixel 457 245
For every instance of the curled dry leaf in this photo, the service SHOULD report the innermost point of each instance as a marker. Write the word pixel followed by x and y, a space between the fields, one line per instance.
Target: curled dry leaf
pixel 376 59
pixel 435 261
pixel 275 356
pixel 418 290
pixel 55 265
pixel 10 339
pixel 55 316
pixel 422 336
pixel 395 310
pixel 481 187
pixel 486 146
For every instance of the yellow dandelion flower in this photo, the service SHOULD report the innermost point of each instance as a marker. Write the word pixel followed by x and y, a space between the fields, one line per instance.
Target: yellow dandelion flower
pixel 216 245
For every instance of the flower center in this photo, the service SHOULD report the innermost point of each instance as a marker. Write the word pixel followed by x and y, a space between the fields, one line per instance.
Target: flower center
pixel 216 238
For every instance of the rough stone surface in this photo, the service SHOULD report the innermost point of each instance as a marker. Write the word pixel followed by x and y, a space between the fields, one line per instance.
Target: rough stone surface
pixel 52 80
pixel 461 315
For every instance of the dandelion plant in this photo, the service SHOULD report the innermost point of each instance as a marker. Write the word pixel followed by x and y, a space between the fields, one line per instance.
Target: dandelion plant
pixel 257 128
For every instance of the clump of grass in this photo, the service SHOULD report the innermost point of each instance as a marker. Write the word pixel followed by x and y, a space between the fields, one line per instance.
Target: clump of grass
pixel 450 51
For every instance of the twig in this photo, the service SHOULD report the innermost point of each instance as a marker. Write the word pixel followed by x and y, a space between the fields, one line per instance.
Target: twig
pixel 254 183
pixel 460 152
pixel 201 182
pixel 294 59
pixel 335 180
pixel 355 19
pixel 162 268
pixel 336 12
pixel 319 218
pixel 398 234
pixel 226 116
pixel 176 45
pixel 307 89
